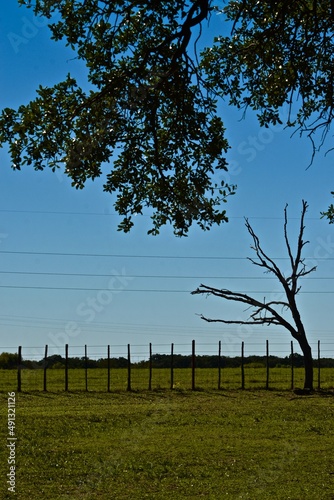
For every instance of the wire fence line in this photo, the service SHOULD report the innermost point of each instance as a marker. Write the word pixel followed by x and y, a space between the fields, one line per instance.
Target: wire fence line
pixel 137 367
pixel 141 351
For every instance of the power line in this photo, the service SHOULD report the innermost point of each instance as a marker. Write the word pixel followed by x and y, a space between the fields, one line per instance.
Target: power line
pixel 130 290
pixel 6 317
pixel 53 212
pixel 115 214
pixel 132 256
pixel 159 276
pixel 138 329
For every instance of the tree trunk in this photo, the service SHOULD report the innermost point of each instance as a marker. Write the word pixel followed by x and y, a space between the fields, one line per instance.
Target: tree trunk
pixel 308 363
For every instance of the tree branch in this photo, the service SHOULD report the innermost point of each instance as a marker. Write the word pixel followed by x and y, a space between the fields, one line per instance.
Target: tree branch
pixel 251 301
pixel 265 313
pixel 265 260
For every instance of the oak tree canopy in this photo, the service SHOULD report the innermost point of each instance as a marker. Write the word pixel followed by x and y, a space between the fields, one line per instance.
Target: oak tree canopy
pixel 149 107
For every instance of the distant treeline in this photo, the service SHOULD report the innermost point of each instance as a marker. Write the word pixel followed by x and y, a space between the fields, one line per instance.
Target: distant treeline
pixel 10 361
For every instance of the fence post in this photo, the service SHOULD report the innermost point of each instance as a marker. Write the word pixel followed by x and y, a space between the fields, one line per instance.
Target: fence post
pixel 292 373
pixel 129 369
pixel 319 365
pixel 108 368
pixel 172 366
pixel 219 364
pixel 150 369
pixel 19 363
pixel 66 367
pixel 86 368
pixel 193 365
pixel 45 366
pixel 267 364
pixel 242 365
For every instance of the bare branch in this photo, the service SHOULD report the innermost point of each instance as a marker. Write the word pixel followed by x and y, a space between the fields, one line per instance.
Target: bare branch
pixel 268 313
pixel 228 322
pixel 265 260
pixel 274 317
pixel 286 236
pixel 300 246
pixel 305 271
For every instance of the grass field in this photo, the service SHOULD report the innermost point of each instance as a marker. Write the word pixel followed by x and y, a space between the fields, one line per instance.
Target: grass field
pixel 205 378
pixel 165 444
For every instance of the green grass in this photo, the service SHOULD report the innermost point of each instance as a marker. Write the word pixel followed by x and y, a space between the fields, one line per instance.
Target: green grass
pixel 178 444
pixel 206 378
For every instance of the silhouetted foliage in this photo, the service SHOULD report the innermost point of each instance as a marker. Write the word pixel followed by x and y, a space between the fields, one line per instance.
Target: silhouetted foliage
pixel 163 361
pixel 150 105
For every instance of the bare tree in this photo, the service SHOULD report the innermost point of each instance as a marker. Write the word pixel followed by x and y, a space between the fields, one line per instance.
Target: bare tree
pixel 271 313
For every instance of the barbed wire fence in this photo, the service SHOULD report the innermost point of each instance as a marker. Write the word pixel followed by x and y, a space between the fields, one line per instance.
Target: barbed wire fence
pixel 195 366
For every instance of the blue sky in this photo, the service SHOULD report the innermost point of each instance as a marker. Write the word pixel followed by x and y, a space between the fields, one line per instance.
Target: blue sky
pixel 68 276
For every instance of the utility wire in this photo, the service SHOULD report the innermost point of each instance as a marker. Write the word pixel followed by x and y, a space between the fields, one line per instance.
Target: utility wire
pixel 130 290
pixel 160 276
pixel 115 214
pixel 131 256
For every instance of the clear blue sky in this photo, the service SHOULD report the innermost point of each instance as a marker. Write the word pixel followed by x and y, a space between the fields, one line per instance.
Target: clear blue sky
pixel 67 275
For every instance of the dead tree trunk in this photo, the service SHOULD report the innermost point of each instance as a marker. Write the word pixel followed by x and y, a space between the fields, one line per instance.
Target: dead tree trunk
pixel 308 362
